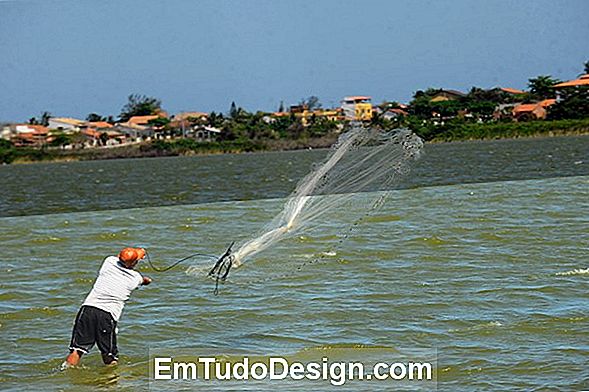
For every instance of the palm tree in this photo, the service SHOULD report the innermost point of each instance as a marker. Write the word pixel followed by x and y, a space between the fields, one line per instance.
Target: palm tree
pixel 541 86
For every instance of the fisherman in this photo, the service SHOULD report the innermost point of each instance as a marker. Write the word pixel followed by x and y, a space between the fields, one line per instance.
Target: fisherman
pixel 96 322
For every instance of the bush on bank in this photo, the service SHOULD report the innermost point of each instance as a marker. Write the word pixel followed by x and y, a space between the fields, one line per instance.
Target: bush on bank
pixel 466 131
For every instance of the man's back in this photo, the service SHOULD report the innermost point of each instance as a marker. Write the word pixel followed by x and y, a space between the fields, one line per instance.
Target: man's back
pixel 113 287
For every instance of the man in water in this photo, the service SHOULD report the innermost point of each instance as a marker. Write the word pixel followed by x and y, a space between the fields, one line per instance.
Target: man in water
pixel 96 322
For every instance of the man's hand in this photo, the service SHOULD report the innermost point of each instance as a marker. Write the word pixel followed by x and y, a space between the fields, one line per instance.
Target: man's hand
pixel 146 280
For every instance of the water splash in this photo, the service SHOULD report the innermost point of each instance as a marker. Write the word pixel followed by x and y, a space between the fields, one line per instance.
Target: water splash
pixel 576 271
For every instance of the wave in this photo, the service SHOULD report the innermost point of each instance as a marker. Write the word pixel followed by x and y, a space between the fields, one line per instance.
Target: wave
pixel 576 271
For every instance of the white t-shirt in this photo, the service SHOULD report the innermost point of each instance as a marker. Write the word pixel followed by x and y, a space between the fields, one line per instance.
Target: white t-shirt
pixel 113 287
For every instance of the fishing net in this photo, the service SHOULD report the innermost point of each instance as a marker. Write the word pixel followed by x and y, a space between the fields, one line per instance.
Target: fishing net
pixel 364 161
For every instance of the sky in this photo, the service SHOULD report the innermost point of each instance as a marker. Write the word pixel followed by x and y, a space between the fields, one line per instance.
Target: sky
pixel 72 58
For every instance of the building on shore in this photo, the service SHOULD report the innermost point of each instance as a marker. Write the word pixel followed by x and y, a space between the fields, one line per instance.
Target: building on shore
pixel 66 124
pixel 357 108
pixel 532 111
pixel 139 127
pixel 580 83
pixel 203 133
pixel 447 95
pixel 27 135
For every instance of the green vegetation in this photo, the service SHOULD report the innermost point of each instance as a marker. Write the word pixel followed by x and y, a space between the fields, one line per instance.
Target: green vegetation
pixel 573 104
pixel 140 105
pixel 541 87
pixel 187 146
pixel 7 151
pixel 42 120
pixel 467 131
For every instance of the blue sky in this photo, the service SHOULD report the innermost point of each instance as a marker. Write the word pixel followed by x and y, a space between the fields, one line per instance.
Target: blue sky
pixel 76 57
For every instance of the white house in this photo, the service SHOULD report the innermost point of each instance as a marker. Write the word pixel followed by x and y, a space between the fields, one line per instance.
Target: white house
pixel 66 124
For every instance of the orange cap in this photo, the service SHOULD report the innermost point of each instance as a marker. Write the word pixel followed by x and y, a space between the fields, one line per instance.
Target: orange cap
pixel 130 255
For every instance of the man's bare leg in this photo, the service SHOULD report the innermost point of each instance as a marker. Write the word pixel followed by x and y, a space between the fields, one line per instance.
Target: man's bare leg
pixel 73 359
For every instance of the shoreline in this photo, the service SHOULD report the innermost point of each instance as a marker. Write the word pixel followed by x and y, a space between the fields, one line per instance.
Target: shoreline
pixel 148 150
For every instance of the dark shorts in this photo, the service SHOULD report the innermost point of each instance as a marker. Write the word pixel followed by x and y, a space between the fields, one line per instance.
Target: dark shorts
pixel 95 326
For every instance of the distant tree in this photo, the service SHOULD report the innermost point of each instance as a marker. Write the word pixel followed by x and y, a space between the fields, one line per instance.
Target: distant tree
pixel 385 105
pixel 477 94
pixel 159 122
pixel 61 139
pixel 281 107
pixel 215 119
pixel 93 117
pixel 7 152
pixel 5 143
pixel 573 104
pixel 541 87
pixel 43 120
pixel 45 116
pixel 103 138
pixel 429 93
pixel 421 105
pixel 586 70
pixel 140 105
pixel 311 103
pixel 233 110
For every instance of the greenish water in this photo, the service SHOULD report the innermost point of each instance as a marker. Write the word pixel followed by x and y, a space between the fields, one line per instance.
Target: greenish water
pixel 492 276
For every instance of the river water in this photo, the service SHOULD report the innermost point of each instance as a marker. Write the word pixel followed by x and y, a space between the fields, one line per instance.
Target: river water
pixel 480 258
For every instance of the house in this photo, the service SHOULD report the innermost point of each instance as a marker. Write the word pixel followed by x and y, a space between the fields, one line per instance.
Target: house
pixel 307 116
pixel 29 135
pixel 102 137
pixel 92 137
pixel 204 133
pixel 142 120
pixel 5 132
pixel 532 111
pixel 392 114
pixel 581 82
pixel 138 127
pixel 504 111
pixel 134 131
pixel 184 120
pixel 94 133
pixel 66 124
pixel 447 95
pixel 357 108
pixel 114 138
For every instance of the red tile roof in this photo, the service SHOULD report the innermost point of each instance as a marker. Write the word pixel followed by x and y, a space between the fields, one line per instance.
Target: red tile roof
pixel 142 120
pixel 100 124
pixel 512 90
pixel 92 133
pixel 582 81
pixel 547 102
pixel 39 129
pixel 530 107
pixel 525 107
